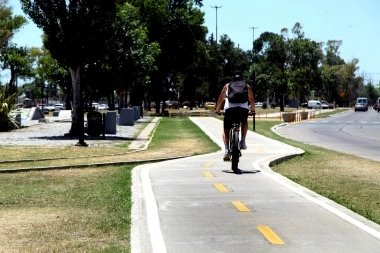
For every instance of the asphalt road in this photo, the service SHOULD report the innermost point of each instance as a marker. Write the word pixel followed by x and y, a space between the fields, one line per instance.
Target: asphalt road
pixel 197 204
pixel 355 133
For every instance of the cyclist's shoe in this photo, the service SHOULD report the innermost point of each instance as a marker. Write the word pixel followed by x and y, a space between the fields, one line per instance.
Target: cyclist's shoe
pixel 237 171
pixel 242 145
pixel 227 155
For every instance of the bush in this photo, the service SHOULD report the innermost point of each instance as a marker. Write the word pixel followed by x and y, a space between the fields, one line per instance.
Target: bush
pixel 264 105
pixel 7 122
pixel 273 105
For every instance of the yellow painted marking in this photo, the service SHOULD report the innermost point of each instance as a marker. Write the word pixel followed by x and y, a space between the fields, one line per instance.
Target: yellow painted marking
pixel 208 174
pixel 208 164
pixel 221 187
pixel 240 206
pixel 270 235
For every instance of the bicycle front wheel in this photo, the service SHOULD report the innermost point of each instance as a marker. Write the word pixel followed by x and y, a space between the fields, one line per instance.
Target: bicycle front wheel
pixel 235 150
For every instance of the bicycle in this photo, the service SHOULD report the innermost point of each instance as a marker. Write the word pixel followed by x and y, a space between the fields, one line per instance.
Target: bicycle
pixel 234 146
pixel 234 143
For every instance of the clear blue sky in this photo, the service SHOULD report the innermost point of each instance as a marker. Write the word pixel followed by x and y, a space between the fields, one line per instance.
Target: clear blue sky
pixel 354 22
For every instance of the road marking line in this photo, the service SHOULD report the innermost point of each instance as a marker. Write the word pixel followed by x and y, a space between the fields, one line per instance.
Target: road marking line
pixel 208 164
pixel 270 235
pixel 208 174
pixel 240 206
pixel 221 187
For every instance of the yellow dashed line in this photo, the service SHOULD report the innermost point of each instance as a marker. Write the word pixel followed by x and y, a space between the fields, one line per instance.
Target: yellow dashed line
pixel 208 174
pixel 240 206
pixel 208 164
pixel 270 235
pixel 221 187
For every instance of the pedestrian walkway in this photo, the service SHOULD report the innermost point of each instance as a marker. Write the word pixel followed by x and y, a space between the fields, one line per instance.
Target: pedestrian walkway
pixel 142 141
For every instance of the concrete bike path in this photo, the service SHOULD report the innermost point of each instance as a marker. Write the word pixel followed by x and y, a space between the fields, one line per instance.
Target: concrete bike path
pixel 197 204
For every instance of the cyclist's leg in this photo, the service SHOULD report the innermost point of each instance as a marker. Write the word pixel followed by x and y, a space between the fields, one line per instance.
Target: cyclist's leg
pixel 227 124
pixel 243 116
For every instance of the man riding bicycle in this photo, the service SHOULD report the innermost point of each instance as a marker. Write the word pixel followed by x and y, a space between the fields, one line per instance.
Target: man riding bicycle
pixel 235 108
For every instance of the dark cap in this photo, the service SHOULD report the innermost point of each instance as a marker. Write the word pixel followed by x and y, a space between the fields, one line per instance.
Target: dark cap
pixel 237 74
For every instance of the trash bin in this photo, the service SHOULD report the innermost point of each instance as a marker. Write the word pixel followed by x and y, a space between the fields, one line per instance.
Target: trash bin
pixel 94 124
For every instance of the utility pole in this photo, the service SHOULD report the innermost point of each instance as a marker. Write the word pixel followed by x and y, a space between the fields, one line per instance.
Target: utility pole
pixel 253 32
pixel 216 10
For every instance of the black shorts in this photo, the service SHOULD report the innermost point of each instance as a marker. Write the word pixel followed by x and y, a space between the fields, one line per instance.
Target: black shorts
pixel 231 114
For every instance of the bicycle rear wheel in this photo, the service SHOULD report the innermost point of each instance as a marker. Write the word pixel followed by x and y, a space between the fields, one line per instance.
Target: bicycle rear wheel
pixel 235 150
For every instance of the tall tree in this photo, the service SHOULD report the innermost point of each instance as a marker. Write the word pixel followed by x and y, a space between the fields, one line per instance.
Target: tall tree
pixel 177 26
pixel 77 32
pixel 19 62
pixel 273 60
pixel 305 57
pixel 11 56
pixel 47 70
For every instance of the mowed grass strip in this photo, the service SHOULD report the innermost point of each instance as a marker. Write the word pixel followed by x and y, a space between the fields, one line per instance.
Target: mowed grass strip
pixel 351 181
pixel 66 210
pixel 83 210
pixel 179 135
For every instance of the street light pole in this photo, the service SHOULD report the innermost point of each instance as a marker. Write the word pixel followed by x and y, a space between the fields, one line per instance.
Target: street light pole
pixel 253 32
pixel 216 10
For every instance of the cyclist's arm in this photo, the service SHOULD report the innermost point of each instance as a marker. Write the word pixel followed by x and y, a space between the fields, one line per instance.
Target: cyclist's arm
pixel 251 99
pixel 221 98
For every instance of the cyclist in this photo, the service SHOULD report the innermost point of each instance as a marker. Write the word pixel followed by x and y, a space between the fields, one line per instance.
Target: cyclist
pixel 231 110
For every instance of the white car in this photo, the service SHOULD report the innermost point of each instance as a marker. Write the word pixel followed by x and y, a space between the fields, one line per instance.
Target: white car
pixel 102 107
pixel 95 106
pixel 49 108
pixel 258 104
pixel 60 106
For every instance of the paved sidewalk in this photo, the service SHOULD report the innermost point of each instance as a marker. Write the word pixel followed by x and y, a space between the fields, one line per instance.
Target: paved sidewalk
pixel 52 133
pixel 142 141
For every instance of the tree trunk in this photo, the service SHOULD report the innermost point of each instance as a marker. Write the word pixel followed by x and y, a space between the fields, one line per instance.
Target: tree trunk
pixel 68 98
pixel 75 80
pixel 281 102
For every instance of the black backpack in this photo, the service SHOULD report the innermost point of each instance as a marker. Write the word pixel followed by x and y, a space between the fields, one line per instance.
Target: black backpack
pixel 237 92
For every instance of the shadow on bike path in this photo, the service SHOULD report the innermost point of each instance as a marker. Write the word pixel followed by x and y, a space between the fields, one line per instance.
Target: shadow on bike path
pixel 197 204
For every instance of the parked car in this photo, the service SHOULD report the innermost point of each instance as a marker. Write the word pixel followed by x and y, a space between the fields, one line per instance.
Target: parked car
pixel 314 104
pixel 95 106
pixel 49 108
pixel 378 105
pixel 361 104
pixel 41 106
pixel 210 106
pixel 102 107
pixel 258 104
pixel 60 106
pixel 304 105
pixel 326 105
